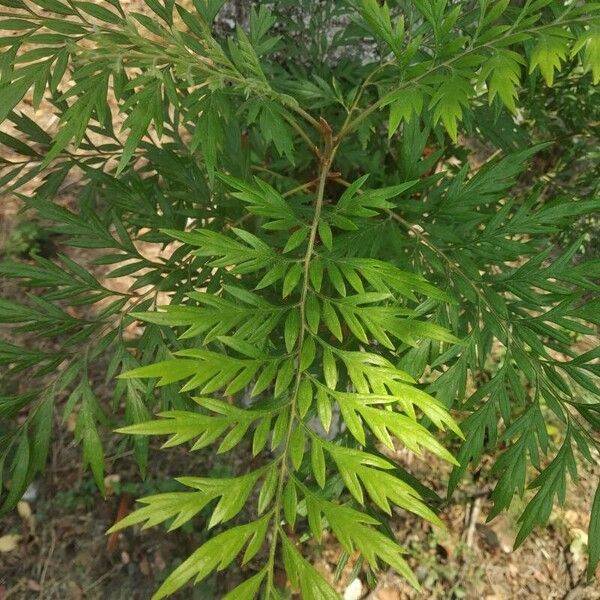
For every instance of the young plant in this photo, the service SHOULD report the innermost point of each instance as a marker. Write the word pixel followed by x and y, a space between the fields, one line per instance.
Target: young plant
pixel 319 275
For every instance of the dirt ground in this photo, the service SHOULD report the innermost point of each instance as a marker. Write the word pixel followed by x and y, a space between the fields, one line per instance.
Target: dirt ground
pixel 61 552
pixel 54 545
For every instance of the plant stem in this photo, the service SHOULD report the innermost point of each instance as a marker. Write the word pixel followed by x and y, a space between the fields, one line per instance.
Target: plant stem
pixel 325 167
pixel 351 125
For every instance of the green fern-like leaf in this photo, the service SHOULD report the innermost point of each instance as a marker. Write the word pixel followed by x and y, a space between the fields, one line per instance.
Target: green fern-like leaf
pixel 264 299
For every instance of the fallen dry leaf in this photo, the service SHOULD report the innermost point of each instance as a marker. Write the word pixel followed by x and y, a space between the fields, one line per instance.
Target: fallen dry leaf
pixel 109 482
pixel 9 542
pixel 75 592
pixel 159 562
pixel 24 510
pixel 144 567
pixel 72 422
pixel 387 593
pixel 122 511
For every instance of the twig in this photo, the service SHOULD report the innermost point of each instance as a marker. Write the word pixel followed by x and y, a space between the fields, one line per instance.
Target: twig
pixel 578 592
pixel 46 564
pixel 102 578
pixel 474 517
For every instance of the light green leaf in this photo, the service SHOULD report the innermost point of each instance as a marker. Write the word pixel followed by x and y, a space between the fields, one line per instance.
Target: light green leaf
pixel 409 104
pixel 590 43
pixel 305 395
pixel 325 234
pixel 304 576
pixel 549 53
pixel 317 461
pixel 291 280
pixel 290 502
pixel 292 327
pixel 217 553
pixel 267 490
pixel 296 447
pixel 247 590
pixel 449 100
pixel 329 369
pixel 308 353
pixel 503 72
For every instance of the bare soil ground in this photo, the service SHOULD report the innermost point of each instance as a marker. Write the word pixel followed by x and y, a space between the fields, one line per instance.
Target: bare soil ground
pixel 61 550
pixel 58 548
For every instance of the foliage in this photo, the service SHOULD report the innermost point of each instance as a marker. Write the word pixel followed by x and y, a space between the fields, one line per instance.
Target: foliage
pixel 24 239
pixel 317 274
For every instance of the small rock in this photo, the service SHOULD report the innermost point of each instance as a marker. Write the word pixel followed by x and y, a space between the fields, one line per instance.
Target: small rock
pixel 159 562
pixel 572 518
pixel 387 593
pixel 354 591
pixel 144 567
pixel 31 493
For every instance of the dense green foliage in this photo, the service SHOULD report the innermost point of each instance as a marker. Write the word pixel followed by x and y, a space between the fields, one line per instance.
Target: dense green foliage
pixel 317 273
